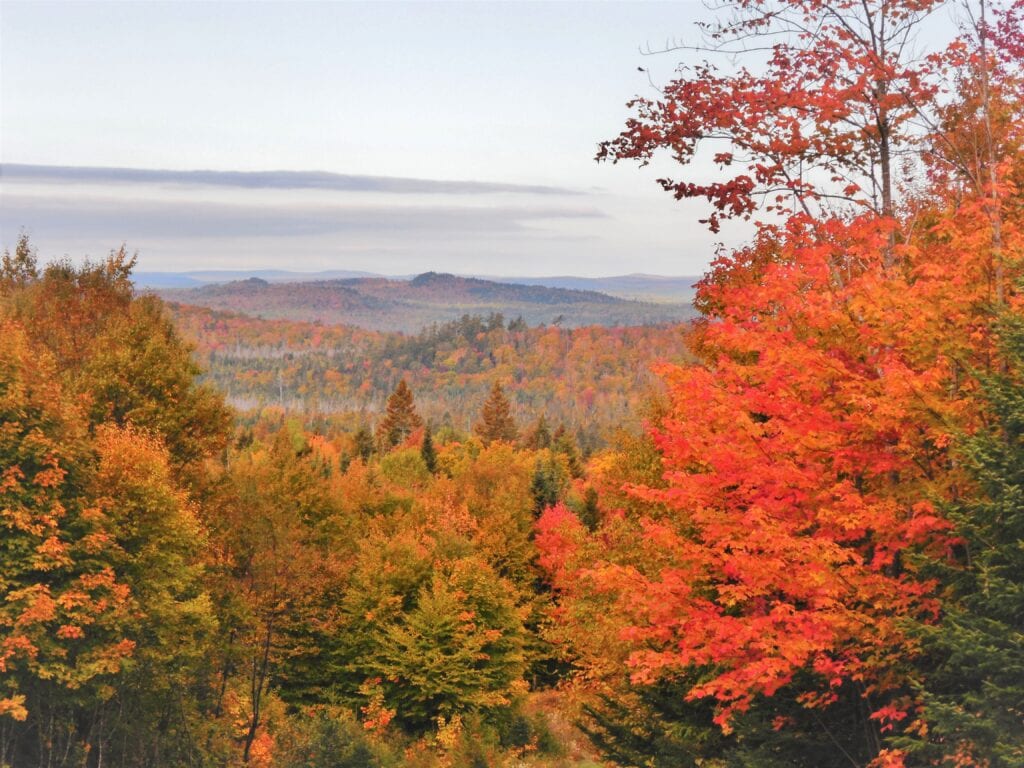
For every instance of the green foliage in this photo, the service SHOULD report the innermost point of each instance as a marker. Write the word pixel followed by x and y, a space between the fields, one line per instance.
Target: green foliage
pixel 589 513
pixel 107 616
pixel 549 483
pixel 973 664
pixel 362 441
pixel 563 443
pixel 539 435
pixel 430 628
pixel 142 374
pixel 654 727
pixel 405 468
pixel 19 269
pixel 391 565
pixel 459 649
pixel 428 453
pixel 326 738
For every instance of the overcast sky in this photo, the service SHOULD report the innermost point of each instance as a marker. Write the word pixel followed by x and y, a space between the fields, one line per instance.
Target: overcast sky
pixel 388 137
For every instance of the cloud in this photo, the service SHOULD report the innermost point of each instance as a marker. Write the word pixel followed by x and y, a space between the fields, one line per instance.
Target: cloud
pixel 318 180
pixel 138 220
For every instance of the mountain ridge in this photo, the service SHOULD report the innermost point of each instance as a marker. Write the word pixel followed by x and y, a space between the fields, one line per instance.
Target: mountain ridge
pixel 636 285
pixel 408 305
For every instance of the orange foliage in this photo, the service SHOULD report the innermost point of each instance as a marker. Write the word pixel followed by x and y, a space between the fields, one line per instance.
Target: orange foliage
pixel 800 462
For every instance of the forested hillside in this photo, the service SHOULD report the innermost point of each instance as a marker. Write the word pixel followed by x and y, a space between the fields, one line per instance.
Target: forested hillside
pixel 805 547
pixel 179 592
pixel 657 288
pixel 593 380
pixel 430 298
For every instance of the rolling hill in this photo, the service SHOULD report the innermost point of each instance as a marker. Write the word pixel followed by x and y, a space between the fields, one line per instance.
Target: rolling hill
pixel 641 287
pixel 386 304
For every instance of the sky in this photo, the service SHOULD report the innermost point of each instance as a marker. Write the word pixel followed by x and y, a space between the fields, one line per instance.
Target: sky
pixel 386 137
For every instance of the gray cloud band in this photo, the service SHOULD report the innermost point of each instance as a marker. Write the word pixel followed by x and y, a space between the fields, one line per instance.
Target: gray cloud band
pixel 268 180
pixel 130 220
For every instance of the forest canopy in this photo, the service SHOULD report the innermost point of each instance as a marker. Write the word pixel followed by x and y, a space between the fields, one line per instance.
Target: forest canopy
pixel 801 547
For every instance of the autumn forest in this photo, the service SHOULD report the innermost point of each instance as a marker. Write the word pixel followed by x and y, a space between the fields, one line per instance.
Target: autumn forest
pixel 789 532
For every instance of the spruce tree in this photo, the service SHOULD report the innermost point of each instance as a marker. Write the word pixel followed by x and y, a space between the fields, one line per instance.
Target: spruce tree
pixel 973 661
pixel 546 485
pixel 539 436
pixel 428 453
pixel 362 443
pixel 565 444
pixel 590 513
pixel 496 422
pixel 400 419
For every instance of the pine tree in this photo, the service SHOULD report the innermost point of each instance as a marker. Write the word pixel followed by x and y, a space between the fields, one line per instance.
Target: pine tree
pixel 496 422
pixel 400 418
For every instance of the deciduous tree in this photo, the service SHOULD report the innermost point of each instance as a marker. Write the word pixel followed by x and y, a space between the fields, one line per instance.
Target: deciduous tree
pixel 824 114
pixel 802 459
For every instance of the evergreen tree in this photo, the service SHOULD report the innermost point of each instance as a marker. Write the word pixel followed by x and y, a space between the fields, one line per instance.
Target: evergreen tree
pixel 590 513
pixel 400 418
pixel 565 444
pixel 653 725
pixel 547 484
pixel 974 657
pixel 518 325
pixel 496 422
pixel 539 436
pixel 362 443
pixel 427 452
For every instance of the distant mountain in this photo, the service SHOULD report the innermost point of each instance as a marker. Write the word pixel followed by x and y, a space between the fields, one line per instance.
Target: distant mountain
pixel 158 280
pixel 455 288
pixel 636 286
pixel 408 305
pixel 164 280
